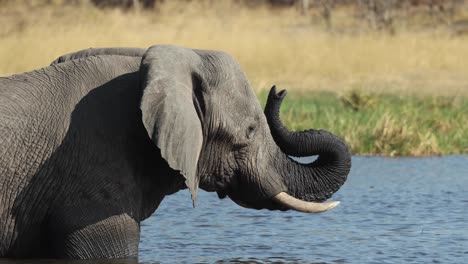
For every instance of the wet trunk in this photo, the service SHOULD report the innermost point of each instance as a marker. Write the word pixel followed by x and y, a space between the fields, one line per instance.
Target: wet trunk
pixel 318 180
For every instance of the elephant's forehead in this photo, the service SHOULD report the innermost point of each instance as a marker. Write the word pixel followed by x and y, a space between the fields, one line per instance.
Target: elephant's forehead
pixel 223 72
pixel 239 97
pixel 240 110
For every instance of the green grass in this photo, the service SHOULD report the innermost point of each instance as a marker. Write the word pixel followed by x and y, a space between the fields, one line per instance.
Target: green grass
pixel 382 124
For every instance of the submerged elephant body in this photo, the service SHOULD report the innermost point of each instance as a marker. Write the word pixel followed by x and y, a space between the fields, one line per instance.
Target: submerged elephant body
pixel 92 144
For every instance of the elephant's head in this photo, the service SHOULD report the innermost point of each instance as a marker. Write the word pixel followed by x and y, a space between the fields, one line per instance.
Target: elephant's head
pixel 199 109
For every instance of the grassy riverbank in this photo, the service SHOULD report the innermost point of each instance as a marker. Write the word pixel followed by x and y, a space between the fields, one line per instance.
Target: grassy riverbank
pixel 383 124
pixel 413 84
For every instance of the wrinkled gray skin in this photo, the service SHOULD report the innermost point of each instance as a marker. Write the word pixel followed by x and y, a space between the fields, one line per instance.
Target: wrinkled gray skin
pixel 92 144
pixel 129 52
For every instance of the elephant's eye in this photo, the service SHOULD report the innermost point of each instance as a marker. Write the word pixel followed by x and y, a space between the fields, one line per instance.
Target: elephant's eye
pixel 251 131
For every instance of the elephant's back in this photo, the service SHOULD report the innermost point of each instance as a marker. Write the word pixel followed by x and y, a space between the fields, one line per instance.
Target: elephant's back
pixel 131 52
pixel 36 107
pixel 49 95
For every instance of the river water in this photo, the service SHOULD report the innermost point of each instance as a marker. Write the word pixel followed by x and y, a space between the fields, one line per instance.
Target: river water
pixel 393 210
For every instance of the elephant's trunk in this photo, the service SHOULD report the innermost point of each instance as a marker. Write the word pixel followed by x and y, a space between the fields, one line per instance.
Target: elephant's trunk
pixel 314 182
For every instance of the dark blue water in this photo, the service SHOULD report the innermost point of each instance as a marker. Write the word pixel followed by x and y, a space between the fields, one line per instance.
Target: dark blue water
pixel 407 210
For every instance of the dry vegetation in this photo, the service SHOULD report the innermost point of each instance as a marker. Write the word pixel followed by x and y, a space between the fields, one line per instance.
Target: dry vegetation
pixel 276 46
pixel 279 46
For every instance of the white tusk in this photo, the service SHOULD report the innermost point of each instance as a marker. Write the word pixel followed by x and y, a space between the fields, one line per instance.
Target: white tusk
pixel 302 206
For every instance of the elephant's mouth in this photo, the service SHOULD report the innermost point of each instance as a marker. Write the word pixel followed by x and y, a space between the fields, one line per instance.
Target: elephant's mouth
pixel 221 194
pixel 281 201
pixel 261 204
pixel 284 201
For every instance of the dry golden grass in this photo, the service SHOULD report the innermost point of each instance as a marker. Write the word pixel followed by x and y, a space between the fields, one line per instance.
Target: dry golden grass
pixel 273 47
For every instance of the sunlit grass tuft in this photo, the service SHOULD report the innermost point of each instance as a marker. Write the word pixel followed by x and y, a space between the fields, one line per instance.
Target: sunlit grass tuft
pixel 358 100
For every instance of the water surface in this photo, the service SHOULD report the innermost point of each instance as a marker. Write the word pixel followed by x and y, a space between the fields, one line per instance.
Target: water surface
pixel 405 210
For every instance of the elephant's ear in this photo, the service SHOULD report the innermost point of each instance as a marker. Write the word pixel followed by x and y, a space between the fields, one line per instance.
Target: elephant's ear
pixel 170 110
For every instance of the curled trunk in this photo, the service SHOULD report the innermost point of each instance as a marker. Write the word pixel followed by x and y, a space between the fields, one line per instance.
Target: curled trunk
pixel 318 180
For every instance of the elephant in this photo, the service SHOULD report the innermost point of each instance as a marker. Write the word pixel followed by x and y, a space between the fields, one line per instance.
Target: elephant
pixel 130 52
pixel 92 144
